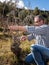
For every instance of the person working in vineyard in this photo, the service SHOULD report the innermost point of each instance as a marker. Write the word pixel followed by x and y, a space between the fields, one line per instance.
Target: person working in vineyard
pixel 40 32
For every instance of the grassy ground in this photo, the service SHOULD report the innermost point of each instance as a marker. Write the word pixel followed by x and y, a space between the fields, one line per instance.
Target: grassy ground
pixel 6 55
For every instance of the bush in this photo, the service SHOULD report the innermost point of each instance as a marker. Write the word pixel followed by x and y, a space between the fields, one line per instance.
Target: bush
pixel 1 29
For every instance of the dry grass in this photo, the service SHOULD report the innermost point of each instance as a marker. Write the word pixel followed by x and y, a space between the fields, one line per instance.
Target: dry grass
pixel 6 56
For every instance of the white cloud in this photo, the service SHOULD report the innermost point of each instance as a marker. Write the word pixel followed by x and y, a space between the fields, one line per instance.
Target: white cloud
pixel 20 4
pixel 3 0
pixel 43 9
pixel 25 7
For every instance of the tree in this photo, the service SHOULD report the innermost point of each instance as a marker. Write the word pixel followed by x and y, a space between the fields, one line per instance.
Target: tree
pixel 22 14
pixel 28 20
pixel 36 11
pixel 6 7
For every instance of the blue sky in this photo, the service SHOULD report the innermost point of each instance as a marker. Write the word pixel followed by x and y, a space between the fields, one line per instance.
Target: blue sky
pixel 41 4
